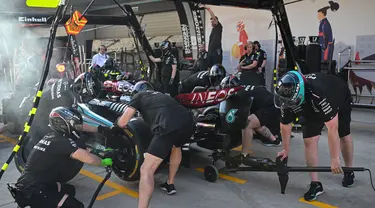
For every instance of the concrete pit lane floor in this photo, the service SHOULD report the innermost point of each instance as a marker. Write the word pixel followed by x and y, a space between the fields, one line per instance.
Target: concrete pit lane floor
pixel 241 189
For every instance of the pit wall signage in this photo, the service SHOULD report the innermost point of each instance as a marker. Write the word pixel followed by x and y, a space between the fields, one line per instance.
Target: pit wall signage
pixel 192 28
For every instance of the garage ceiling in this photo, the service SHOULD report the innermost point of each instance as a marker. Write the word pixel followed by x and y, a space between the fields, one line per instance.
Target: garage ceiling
pixel 20 5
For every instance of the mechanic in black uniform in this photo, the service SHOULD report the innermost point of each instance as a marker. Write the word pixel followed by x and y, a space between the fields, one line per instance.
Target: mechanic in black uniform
pixel 321 99
pixel 262 114
pixel 53 154
pixel 262 60
pixel 172 126
pixel 248 63
pixel 201 63
pixel 215 51
pixel 207 79
pixel 170 74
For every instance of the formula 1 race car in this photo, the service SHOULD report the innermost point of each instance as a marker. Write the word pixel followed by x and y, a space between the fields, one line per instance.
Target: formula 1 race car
pixel 218 129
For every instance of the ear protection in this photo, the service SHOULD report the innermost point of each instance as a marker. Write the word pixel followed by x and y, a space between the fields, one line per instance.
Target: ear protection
pixel 105 48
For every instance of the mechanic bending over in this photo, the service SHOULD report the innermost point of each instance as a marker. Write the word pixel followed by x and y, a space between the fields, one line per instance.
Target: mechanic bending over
pixel 172 126
pixel 248 67
pixel 262 114
pixel 206 79
pixel 321 99
pixel 201 63
pixel 170 74
pixel 55 152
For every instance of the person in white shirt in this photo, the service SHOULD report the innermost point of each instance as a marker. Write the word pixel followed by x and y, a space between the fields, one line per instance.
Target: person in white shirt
pixel 100 58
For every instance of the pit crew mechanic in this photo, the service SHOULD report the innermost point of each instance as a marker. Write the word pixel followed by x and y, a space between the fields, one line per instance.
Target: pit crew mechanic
pixel 39 184
pixel 321 99
pixel 172 126
pixel 170 74
pixel 201 63
pixel 215 50
pixel 248 67
pixel 262 114
pixel 262 60
pixel 206 79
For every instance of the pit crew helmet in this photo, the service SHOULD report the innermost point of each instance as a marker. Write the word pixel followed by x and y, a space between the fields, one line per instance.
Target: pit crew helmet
pixel 166 47
pixel 67 121
pixel 290 90
pixel 216 74
pixel 141 86
pixel 230 81
pixel 86 87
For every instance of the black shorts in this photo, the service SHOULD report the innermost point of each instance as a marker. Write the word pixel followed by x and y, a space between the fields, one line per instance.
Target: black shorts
pixel 51 195
pixel 313 128
pixel 269 117
pixel 161 144
pixel 214 59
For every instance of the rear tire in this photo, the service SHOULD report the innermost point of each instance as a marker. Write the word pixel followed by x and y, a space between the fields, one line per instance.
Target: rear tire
pixel 23 153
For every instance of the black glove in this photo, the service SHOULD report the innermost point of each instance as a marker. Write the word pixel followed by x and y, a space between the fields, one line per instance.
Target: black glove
pixel 171 81
pixel 109 132
pixel 109 153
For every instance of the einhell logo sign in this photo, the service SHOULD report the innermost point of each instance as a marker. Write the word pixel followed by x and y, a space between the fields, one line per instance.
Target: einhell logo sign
pixel 33 19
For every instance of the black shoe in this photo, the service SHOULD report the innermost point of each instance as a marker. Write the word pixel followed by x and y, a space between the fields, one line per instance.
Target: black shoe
pixel 348 180
pixel 269 143
pixel 316 189
pixel 168 188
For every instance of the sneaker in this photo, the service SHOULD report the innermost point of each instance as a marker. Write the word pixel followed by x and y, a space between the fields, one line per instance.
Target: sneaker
pixel 269 143
pixel 348 180
pixel 168 188
pixel 316 189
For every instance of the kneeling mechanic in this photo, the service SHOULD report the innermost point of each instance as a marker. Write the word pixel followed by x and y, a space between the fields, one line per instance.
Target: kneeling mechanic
pixel 172 126
pixel 57 151
pixel 263 115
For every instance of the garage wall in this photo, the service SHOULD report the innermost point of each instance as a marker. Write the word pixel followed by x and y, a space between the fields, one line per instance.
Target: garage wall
pixel 352 25
pixel 156 24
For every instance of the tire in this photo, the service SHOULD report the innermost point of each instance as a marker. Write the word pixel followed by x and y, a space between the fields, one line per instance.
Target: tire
pixel 135 142
pixel 23 153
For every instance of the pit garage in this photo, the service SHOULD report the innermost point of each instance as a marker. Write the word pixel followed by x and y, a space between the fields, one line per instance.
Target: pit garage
pixel 352 59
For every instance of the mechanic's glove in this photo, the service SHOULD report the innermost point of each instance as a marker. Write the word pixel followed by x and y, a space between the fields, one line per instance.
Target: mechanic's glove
pixel 171 81
pixel 105 131
pixel 109 153
pixel 107 162
pixel 108 132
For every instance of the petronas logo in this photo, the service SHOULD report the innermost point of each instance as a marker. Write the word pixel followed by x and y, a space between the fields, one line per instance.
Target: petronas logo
pixel 230 118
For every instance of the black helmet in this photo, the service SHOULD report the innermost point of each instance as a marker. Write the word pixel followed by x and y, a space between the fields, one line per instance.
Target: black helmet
pixel 141 86
pixel 86 86
pixel 165 47
pixel 67 121
pixel 216 74
pixel 109 63
pixel 290 90
pixel 230 82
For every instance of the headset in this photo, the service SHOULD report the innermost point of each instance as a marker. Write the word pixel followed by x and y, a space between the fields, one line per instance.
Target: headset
pixel 105 48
